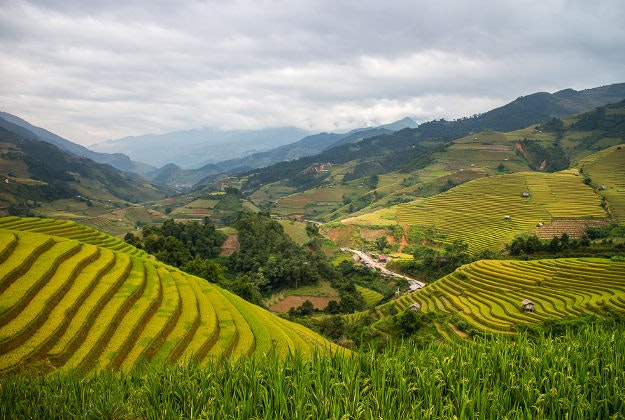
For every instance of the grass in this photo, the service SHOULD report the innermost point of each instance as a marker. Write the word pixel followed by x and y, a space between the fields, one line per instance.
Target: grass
pixel 578 374
pixel 607 168
pixel 296 231
pixel 475 211
pixel 70 230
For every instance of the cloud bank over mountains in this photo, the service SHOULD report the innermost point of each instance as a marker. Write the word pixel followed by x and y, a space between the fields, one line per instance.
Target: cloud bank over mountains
pixel 95 70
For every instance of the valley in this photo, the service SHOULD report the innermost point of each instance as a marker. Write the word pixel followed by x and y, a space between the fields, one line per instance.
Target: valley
pixel 413 250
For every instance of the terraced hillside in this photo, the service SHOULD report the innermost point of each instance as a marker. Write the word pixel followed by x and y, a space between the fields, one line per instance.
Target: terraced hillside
pixel 70 230
pixel 606 170
pixel 490 211
pixel 89 304
pixel 488 293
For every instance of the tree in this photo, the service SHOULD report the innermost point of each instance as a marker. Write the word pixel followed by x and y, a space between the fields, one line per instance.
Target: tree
pixel 307 308
pixel 457 253
pixel 372 182
pixel 332 327
pixel 205 269
pixel 381 243
pixel 173 252
pixel 407 323
pixel 333 307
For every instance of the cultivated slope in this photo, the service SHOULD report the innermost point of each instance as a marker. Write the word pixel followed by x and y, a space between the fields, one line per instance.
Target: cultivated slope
pixel 606 171
pixel 94 303
pixel 488 212
pixel 488 293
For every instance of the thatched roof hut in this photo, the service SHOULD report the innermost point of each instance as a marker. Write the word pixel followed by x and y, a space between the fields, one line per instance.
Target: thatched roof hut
pixel 527 306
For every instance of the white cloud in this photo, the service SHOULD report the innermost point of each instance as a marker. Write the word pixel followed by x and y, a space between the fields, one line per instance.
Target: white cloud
pixel 107 69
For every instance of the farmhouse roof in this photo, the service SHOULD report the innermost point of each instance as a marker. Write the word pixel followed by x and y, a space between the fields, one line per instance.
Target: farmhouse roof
pixel 527 302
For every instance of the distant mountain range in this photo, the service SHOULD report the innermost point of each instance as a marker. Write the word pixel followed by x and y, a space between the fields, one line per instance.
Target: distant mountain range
pixel 387 152
pixel 170 158
pixel 196 148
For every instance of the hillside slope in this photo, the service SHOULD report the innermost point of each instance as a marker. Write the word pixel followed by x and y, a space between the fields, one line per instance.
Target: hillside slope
pixel 116 160
pixel 488 294
pixel 35 172
pixel 400 168
pixel 90 304
pixel 488 212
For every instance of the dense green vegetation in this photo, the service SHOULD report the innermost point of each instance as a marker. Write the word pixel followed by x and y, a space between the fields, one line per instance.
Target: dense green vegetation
pixel 177 243
pixel 269 260
pixel 576 374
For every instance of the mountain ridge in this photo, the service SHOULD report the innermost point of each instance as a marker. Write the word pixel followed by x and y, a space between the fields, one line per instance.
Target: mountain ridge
pixel 117 160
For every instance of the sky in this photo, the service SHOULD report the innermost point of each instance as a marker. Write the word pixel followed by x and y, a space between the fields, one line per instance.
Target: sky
pixel 105 69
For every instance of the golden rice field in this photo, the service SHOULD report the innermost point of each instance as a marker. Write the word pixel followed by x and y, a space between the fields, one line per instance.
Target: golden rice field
pixel 488 293
pixel 476 211
pixel 72 298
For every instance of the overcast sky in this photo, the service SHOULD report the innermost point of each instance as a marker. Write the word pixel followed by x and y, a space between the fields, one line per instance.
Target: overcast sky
pixel 99 69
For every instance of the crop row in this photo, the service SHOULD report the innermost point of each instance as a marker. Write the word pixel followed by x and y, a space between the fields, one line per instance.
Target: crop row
pixel 72 305
pixel 488 293
pixel 486 214
pixel 68 229
pixel 606 169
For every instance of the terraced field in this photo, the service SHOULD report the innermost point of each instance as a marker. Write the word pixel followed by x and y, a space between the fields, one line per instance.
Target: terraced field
pixel 607 169
pixel 70 230
pixel 476 211
pixel 370 296
pixel 488 293
pixel 71 298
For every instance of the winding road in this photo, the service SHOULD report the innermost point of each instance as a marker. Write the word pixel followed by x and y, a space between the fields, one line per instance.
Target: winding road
pixel 367 260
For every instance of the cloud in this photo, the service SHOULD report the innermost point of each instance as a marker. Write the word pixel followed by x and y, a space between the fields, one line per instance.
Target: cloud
pixel 106 69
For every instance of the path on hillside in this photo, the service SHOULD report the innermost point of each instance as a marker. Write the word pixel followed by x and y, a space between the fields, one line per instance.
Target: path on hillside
pixel 376 265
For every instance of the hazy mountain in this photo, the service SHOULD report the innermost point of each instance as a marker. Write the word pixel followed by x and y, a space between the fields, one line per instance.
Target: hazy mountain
pixel 174 175
pixel 311 145
pixel 196 148
pixel 117 160
pixel 388 152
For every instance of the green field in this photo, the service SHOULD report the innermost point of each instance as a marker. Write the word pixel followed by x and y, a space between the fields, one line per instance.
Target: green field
pixel 73 298
pixel 607 169
pixel 578 374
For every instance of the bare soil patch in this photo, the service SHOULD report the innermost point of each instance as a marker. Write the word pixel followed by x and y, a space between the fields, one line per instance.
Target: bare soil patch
pixel 230 245
pixel 575 228
pixel 319 302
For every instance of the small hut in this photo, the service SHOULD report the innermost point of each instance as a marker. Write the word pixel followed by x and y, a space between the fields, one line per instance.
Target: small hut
pixel 507 217
pixel 415 307
pixel 525 194
pixel 527 306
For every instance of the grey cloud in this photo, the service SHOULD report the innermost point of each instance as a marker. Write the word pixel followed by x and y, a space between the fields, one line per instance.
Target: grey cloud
pixel 105 69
